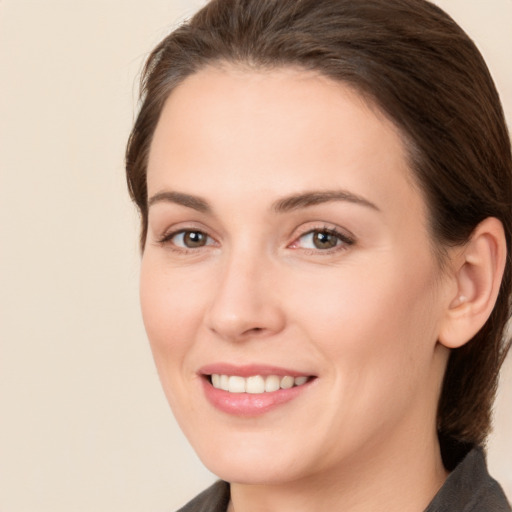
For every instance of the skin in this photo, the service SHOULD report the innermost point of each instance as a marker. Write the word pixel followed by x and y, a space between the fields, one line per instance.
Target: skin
pixel 363 317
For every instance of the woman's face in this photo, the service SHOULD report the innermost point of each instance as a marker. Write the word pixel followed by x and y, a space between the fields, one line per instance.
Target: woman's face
pixel 288 246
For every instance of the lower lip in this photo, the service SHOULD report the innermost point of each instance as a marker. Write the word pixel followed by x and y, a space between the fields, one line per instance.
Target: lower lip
pixel 248 404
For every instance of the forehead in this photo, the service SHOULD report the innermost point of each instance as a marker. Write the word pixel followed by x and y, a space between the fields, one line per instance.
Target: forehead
pixel 264 101
pixel 244 130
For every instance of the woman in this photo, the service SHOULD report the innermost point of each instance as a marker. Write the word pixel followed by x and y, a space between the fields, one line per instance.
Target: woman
pixel 325 192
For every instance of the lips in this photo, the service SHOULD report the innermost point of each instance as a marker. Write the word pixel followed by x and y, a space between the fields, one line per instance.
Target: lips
pixel 251 390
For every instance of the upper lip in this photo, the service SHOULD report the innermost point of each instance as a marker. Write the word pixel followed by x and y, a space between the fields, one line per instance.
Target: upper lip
pixel 249 370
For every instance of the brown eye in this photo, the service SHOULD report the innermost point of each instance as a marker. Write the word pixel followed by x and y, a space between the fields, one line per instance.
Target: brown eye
pixel 193 239
pixel 189 239
pixel 324 239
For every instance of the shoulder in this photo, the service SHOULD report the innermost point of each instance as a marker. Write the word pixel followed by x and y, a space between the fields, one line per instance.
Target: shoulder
pixel 213 499
pixel 470 488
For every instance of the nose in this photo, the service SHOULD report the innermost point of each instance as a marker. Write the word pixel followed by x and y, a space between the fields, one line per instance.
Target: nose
pixel 246 301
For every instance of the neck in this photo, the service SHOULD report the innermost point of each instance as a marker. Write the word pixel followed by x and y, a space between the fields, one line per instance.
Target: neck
pixel 404 478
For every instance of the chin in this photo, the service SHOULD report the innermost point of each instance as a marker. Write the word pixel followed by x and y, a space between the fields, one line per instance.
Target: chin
pixel 249 461
pixel 252 472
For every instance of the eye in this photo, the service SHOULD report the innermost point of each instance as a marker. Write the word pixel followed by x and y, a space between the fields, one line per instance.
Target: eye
pixel 188 239
pixel 322 239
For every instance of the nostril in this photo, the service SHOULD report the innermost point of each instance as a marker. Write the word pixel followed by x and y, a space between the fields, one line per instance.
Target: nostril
pixel 254 330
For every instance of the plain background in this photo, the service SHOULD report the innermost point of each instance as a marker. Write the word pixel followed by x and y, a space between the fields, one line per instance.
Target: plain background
pixel 84 425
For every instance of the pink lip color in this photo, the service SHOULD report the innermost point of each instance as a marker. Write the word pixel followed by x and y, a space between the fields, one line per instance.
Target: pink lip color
pixel 248 370
pixel 248 404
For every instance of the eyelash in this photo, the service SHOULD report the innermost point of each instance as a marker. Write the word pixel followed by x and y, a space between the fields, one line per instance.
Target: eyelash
pixel 344 241
pixel 166 240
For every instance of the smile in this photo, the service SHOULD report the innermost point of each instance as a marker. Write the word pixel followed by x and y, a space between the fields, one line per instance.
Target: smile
pixel 255 384
pixel 254 389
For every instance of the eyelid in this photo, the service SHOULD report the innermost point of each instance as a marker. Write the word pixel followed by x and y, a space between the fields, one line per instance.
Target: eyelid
pixel 165 240
pixel 173 234
pixel 346 238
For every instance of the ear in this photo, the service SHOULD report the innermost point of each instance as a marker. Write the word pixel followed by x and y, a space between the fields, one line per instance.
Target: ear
pixel 478 271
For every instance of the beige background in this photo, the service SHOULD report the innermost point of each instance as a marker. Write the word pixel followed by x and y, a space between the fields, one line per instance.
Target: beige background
pixel 83 423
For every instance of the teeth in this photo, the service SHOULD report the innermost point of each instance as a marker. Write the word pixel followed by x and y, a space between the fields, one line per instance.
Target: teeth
pixel 287 382
pixel 255 384
pixel 272 383
pixel 224 382
pixel 236 384
pixel 298 381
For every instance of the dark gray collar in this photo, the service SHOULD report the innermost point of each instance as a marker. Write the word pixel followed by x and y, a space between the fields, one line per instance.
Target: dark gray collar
pixel 469 488
pixel 214 499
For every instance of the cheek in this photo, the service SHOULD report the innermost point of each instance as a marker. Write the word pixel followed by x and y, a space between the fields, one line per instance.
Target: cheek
pixel 168 310
pixel 378 334
pixel 171 312
pixel 381 317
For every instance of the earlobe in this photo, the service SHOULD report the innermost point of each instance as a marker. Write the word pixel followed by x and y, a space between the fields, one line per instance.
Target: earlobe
pixel 478 273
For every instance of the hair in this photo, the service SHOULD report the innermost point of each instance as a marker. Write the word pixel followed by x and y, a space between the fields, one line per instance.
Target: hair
pixel 413 62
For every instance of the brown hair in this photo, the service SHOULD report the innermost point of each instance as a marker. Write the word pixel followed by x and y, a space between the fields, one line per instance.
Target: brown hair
pixel 418 66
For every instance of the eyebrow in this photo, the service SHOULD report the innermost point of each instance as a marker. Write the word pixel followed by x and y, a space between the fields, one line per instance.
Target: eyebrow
pixel 190 201
pixel 307 199
pixel 283 205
